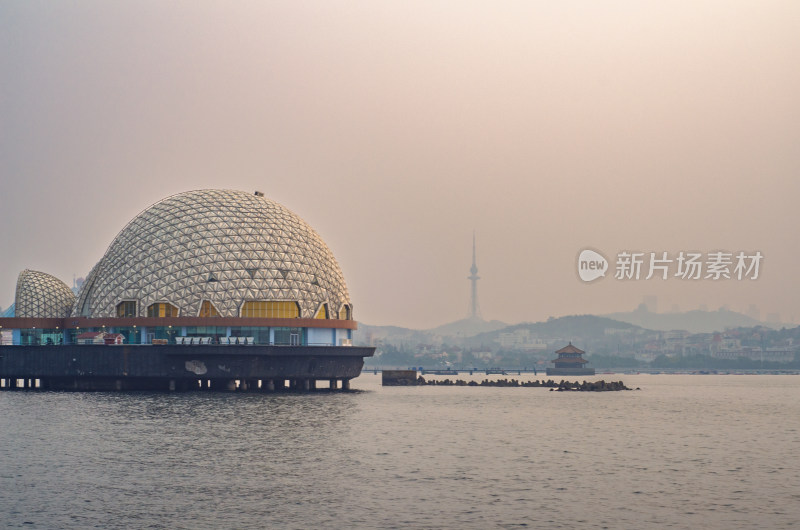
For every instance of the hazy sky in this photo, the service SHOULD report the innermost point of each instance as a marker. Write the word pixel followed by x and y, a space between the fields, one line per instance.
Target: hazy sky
pixel 396 128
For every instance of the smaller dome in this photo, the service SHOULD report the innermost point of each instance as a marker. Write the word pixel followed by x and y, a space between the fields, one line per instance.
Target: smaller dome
pixel 41 295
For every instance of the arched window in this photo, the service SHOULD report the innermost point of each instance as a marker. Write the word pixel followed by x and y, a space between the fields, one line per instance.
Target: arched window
pixel 253 309
pixel 345 313
pixel 162 309
pixel 126 308
pixel 322 312
pixel 207 309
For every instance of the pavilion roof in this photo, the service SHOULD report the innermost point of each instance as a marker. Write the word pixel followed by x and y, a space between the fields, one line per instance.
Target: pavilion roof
pixel 570 349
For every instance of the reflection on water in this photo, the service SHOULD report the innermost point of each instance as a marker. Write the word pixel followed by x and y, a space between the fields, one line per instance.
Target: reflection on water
pixel 713 451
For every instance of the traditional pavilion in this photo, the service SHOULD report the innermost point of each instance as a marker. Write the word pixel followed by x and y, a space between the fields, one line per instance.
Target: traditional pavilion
pixel 570 362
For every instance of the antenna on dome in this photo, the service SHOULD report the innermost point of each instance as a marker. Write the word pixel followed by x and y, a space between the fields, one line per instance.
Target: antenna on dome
pixel 259 193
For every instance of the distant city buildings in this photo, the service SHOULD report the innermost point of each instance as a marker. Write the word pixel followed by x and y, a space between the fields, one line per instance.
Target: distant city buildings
pixel 77 284
pixel 651 303
pixel 521 339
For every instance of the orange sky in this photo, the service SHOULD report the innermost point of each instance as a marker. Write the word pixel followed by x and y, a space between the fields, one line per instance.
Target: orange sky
pixel 396 128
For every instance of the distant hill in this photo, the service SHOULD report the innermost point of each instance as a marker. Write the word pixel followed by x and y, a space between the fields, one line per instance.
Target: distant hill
pixel 454 331
pixel 467 327
pixel 692 321
pixel 575 327
pixel 583 329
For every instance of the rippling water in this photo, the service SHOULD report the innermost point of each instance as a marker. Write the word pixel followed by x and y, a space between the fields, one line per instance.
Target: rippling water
pixel 684 452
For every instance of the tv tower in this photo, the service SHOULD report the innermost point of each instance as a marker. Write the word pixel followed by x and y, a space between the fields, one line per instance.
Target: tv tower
pixel 475 312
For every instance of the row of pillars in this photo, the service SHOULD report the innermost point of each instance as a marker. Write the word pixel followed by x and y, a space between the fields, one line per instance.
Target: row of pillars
pixel 224 385
pixel 265 385
pixel 20 384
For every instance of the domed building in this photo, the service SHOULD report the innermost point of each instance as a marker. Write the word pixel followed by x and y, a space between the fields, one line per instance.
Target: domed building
pixel 214 254
pixel 40 295
pixel 219 268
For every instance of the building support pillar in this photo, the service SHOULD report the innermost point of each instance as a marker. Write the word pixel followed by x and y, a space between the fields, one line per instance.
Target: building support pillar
pixel 345 384
pixel 334 384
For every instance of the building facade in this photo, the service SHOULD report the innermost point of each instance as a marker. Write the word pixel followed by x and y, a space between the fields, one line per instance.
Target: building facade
pixel 205 267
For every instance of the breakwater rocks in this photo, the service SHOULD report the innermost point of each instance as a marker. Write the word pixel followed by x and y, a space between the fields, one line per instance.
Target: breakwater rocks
pixel 560 386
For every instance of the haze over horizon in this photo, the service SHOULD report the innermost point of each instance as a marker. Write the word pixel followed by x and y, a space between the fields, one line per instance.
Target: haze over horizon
pixel 395 129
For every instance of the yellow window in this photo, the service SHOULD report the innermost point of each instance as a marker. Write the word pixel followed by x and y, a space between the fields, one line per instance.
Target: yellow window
pixel 126 309
pixel 270 310
pixel 162 310
pixel 207 309
pixel 344 312
pixel 322 313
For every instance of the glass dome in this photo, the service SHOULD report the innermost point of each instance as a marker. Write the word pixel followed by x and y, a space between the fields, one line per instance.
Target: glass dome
pixel 41 295
pixel 206 253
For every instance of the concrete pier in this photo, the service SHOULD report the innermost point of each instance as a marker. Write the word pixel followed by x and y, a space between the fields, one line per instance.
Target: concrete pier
pixel 178 368
pixel 169 384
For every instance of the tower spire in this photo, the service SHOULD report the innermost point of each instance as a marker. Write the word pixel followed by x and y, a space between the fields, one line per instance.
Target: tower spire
pixel 473 277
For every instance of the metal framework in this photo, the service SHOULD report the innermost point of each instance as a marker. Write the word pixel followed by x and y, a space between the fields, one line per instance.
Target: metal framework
pixel 221 246
pixel 41 295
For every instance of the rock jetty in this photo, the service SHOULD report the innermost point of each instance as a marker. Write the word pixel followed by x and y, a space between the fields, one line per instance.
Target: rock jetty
pixel 560 386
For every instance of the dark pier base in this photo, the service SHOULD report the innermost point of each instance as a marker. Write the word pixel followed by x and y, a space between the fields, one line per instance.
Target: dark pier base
pixel 180 368
pixel 106 384
pixel 570 371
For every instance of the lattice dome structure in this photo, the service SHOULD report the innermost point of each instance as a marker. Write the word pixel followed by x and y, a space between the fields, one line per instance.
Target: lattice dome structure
pixel 222 247
pixel 40 295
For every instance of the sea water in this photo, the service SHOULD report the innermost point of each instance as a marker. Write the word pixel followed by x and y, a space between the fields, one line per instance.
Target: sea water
pixel 685 451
